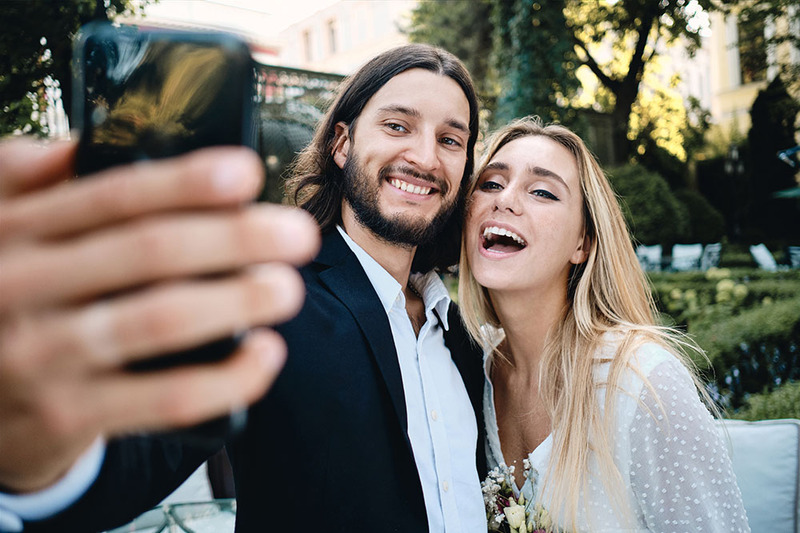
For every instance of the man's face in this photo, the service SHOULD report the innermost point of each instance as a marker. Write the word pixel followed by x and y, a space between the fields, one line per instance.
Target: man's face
pixel 404 162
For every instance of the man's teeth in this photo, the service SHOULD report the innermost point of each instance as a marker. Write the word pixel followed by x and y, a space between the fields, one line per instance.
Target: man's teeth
pixel 414 189
pixel 502 232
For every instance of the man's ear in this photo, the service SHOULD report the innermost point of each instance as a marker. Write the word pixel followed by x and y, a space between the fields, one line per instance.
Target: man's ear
pixel 581 253
pixel 341 144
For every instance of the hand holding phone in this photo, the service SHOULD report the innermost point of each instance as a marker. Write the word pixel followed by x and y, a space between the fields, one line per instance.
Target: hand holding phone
pixel 151 94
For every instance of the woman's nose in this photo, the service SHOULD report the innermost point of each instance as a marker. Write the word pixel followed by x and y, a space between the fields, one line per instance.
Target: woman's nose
pixel 507 200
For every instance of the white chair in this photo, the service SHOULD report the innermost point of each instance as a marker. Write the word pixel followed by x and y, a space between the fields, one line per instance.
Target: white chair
pixel 710 257
pixel 686 256
pixel 763 257
pixel 794 256
pixel 649 257
pixel 766 460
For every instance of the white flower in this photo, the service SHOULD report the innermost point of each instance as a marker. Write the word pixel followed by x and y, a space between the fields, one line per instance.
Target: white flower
pixel 515 514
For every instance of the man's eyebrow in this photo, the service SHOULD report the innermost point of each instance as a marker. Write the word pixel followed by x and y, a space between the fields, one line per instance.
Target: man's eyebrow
pixel 545 173
pixel 403 110
pixel 458 125
pixel 411 112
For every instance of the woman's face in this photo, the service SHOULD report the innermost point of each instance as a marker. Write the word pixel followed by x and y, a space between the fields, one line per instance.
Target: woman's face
pixel 524 225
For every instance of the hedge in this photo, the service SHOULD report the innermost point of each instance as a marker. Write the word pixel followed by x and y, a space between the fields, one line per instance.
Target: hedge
pixel 783 402
pixel 753 351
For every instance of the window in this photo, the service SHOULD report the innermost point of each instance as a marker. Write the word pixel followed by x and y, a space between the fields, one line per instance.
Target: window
pixel 332 37
pixel 752 51
pixel 307 45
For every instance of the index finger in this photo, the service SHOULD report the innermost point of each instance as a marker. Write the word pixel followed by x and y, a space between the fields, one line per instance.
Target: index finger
pixel 26 164
pixel 212 177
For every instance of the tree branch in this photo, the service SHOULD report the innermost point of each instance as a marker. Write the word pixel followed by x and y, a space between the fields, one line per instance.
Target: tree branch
pixel 589 61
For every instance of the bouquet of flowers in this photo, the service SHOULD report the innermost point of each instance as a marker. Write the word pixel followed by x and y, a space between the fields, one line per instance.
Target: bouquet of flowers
pixel 507 513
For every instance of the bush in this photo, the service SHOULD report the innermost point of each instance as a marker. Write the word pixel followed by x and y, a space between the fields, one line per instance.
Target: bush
pixel 783 402
pixel 752 351
pixel 705 223
pixel 653 213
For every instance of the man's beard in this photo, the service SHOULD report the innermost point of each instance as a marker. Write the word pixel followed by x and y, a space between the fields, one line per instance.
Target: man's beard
pixel 361 192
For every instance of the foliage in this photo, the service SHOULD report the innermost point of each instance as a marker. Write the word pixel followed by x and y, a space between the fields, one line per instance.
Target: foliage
pixel 773 116
pixel 752 16
pixel 783 402
pixel 35 51
pixel 747 321
pixel 653 213
pixel 464 29
pixel 522 51
pixel 706 224
pixel 533 82
pixel 634 28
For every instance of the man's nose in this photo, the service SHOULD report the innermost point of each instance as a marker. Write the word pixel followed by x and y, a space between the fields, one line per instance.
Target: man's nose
pixel 424 153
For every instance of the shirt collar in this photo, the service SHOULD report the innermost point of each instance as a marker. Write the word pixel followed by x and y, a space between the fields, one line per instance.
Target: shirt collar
pixel 429 285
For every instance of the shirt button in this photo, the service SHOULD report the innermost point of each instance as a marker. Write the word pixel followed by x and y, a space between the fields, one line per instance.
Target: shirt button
pixel 434 415
pixel 446 486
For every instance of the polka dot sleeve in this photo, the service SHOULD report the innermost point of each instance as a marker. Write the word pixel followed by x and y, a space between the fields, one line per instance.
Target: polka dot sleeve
pixel 680 471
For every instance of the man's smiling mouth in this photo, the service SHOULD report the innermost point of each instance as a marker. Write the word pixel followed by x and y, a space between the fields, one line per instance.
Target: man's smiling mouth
pixel 408 187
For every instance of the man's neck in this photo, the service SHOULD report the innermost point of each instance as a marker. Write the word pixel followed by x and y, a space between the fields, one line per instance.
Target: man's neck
pixel 394 258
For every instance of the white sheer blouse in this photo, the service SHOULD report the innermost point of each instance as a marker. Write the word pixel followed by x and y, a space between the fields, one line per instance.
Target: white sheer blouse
pixel 674 464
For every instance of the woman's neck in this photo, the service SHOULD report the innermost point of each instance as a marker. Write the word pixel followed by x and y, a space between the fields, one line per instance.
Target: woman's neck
pixel 526 319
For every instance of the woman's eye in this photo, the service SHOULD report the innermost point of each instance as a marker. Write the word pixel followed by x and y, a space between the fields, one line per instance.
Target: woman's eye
pixel 396 127
pixel 544 194
pixel 490 186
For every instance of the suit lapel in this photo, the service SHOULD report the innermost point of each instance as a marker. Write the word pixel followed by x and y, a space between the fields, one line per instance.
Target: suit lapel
pixel 345 278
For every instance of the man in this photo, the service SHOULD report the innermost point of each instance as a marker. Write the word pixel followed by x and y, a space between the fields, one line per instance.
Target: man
pixel 370 426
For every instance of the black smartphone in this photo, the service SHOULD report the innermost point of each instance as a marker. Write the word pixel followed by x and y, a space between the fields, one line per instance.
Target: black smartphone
pixel 144 94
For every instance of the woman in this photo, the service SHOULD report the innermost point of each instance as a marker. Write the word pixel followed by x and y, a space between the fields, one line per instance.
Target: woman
pixel 583 388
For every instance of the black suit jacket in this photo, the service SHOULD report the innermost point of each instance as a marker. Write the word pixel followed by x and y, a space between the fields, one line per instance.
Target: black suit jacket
pixel 328 445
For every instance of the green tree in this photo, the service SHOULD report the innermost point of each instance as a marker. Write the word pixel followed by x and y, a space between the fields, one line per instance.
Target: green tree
pixel 633 29
pixel 533 82
pixel 464 29
pixel 653 213
pixel 773 117
pixel 753 17
pixel 36 50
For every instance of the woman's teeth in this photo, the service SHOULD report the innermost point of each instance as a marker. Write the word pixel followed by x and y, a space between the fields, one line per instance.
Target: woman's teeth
pixel 492 231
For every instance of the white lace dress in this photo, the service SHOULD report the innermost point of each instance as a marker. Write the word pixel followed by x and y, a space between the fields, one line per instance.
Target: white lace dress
pixel 676 470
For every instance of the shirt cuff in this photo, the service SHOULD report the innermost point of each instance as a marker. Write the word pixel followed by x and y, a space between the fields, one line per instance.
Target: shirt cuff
pixel 14 508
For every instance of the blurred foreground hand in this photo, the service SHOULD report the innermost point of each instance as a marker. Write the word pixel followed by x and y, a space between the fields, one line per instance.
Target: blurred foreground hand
pixel 97 273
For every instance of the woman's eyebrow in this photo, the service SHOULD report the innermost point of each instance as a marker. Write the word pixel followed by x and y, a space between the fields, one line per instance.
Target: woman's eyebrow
pixel 545 173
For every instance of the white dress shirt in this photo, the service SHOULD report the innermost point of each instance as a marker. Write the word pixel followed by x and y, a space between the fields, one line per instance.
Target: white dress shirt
pixel 14 508
pixel 441 423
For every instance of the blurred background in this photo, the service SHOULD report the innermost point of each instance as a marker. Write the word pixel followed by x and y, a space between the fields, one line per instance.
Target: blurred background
pixel 690 105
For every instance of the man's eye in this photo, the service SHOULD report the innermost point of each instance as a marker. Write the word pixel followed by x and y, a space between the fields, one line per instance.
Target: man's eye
pixel 449 141
pixel 544 194
pixel 490 186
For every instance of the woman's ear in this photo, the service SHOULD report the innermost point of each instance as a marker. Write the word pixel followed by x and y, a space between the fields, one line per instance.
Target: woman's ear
pixel 341 144
pixel 581 253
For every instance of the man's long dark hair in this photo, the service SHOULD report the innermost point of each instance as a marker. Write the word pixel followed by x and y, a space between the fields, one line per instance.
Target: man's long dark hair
pixel 316 184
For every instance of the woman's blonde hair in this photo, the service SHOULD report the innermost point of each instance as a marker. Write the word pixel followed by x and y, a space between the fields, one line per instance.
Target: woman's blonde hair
pixel 607 293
